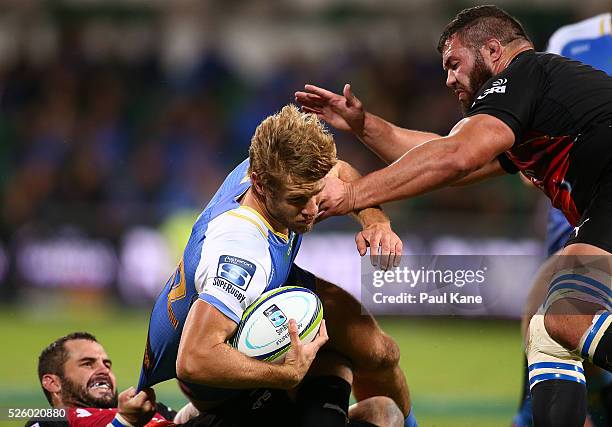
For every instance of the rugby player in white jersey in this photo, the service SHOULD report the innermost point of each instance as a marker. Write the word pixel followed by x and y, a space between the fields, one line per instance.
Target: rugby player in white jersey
pixel 243 244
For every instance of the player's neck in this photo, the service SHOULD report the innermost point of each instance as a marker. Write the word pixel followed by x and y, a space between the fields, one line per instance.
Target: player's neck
pixel 510 52
pixel 257 205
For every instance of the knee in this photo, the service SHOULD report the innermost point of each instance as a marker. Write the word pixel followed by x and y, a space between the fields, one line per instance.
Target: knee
pixel 385 353
pixel 561 329
pixel 377 410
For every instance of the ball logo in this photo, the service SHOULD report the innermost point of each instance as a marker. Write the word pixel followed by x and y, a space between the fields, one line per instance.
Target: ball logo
pixel 275 315
pixel 236 270
pixel 499 82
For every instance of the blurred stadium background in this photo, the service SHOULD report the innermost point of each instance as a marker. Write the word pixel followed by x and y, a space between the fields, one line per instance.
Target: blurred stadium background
pixel 119 119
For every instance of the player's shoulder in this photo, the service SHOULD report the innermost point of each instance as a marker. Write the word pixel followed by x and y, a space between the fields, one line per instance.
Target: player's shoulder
pixel 239 236
pixel 590 28
pixel 241 224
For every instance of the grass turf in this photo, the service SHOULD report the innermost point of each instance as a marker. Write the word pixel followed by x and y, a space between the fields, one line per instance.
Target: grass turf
pixel 461 372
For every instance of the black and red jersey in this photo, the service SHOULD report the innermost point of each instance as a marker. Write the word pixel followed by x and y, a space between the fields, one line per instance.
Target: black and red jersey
pixel 556 109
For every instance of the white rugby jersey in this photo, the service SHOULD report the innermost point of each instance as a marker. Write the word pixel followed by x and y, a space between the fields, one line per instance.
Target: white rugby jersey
pixel 233 256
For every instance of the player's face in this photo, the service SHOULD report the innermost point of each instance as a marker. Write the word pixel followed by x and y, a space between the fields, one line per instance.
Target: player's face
pixel 295 211
pixel 466 71
pixel 88 379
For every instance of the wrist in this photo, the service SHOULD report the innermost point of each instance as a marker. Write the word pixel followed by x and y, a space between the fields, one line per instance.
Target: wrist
pixel 362 133
pixel 289 377
pixel 377 223
pixel 350 197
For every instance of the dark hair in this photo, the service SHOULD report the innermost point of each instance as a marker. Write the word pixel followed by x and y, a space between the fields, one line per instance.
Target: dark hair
pixel 475 25
pixel 54 356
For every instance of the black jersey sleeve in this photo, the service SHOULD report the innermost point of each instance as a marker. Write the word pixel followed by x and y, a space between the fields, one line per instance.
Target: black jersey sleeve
pixel 507 164
pixel 513 94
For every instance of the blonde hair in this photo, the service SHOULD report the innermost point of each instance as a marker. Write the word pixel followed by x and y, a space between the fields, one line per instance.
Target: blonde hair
pixel 292 150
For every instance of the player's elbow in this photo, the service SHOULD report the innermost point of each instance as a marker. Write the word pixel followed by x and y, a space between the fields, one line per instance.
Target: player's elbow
pixel 457 159
pixel 456 166
pixel 191 369
pixel 184 369
pixel 463 164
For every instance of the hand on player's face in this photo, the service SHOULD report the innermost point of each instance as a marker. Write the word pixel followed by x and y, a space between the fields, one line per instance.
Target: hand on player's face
pixel 137 408
pixel 335 198
pixel 385 246
pixel 300 356
pixel 344 112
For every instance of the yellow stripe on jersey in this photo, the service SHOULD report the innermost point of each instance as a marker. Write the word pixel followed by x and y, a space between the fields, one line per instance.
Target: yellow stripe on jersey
pixel 278 233
pixel 251 220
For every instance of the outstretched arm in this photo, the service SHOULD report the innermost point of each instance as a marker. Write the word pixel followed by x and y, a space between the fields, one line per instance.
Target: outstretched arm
pixel 345 112
pixel 472 144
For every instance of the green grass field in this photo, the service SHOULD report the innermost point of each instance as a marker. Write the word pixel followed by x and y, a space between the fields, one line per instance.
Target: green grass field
pixel 461 372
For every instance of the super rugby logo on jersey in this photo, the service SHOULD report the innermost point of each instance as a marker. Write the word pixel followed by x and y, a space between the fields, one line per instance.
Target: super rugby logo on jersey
pixel 275 315
pixel 498 86
pixel 236 270
pixel 228 287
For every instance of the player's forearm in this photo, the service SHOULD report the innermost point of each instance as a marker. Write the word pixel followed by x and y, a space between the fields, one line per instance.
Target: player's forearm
pixel 425 168
pixel 224 366
pixel 368 216
pixel 490 170
pixel 390 142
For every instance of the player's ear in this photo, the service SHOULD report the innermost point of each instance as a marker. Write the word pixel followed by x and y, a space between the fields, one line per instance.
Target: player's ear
pixel 51 383
pixel 256 183
pixel 493 49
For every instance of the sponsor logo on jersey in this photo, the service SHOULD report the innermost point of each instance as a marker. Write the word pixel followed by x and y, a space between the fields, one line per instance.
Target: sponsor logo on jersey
pixel 236 270
pixel 275 315
pixel 228 287
pixel 82 413
pixel 498 86
pixel 577 229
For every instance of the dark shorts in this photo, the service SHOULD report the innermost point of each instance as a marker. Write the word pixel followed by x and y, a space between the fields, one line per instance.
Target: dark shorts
pixel 595 225
pixel 256 408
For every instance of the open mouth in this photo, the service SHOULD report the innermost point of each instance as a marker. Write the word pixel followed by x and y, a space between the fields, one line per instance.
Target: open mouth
pixel 100 384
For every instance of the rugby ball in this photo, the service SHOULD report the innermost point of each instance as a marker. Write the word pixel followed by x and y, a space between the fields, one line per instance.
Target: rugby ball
pixel 263 332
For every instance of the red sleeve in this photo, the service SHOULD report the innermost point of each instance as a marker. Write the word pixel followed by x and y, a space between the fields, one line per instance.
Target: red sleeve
pixel 90 417
pixel 94 417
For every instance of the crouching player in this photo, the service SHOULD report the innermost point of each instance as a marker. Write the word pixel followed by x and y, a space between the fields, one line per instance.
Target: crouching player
pixel 252 227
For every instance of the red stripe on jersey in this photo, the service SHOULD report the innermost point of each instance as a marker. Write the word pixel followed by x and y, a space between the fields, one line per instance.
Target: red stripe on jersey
pixel 544 160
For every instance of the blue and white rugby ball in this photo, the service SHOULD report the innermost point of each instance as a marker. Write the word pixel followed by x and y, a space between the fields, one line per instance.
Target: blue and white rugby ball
pixel 263 332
